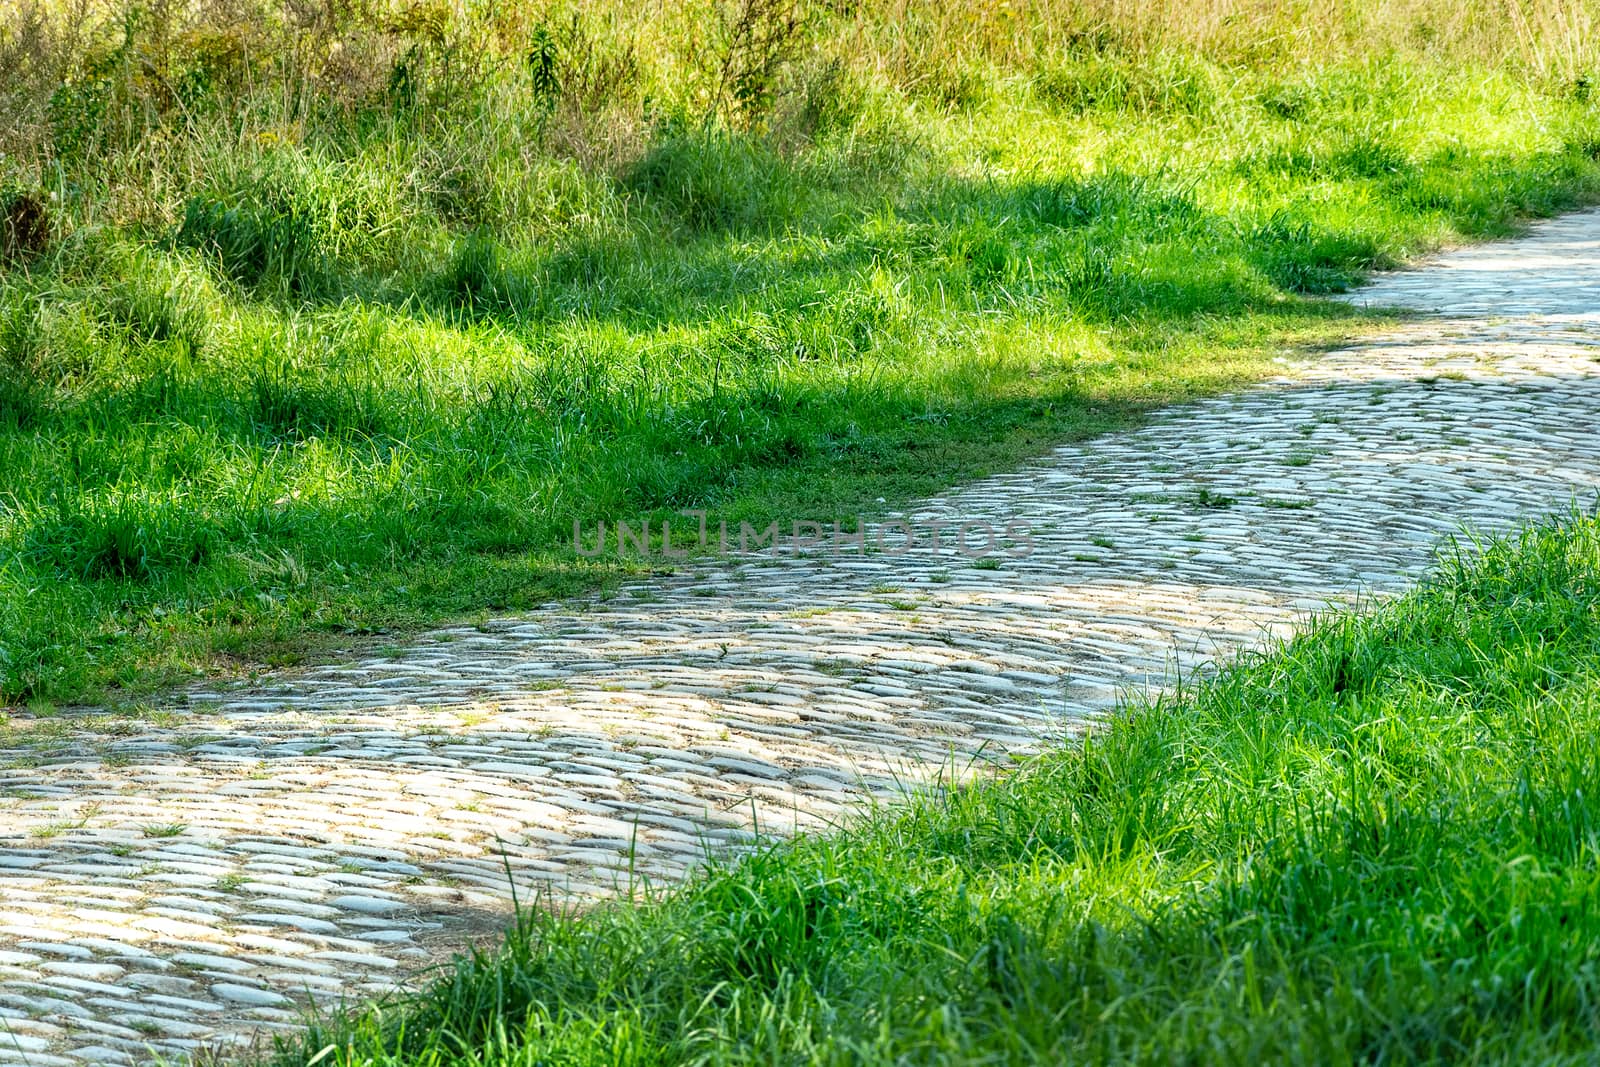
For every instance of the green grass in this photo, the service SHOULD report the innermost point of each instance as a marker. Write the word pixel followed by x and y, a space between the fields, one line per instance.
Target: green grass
pixel 282 379
pixel 1378 843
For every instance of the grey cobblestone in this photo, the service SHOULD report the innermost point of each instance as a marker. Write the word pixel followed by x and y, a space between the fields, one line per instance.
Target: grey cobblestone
pixel 330 832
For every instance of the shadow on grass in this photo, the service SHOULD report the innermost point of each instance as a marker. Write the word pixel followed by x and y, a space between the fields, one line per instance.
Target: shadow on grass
pixel 1114 247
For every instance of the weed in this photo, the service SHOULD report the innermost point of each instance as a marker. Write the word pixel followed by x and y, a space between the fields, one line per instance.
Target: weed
pixel 1206 497
pixel 759 38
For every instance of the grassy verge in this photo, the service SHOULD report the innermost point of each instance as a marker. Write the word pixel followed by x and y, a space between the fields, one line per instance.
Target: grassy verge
pixel 1379 843
pixel 294 347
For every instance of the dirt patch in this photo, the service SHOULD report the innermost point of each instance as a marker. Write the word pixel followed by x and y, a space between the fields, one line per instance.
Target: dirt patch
pixel 24 228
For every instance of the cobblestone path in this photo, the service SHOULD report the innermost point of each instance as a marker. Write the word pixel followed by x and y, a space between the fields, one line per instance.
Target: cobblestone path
pixel 198 879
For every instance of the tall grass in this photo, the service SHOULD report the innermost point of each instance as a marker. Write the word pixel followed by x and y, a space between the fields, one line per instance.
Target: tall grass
pixel 137 95
pixel 396 292
pixel 1379 843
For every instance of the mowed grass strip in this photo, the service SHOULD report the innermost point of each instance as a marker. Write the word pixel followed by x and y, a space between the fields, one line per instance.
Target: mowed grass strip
pixel 292 354
pixel 1378 843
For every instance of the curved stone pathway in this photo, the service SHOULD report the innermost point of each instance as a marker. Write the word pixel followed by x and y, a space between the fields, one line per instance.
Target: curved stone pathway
pixel 198 877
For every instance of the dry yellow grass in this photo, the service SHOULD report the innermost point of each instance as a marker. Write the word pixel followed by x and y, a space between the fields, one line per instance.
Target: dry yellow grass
pixel 148 80
pixel 344 46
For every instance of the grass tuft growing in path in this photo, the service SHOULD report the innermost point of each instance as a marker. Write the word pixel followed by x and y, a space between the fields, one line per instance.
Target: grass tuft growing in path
pixel 1379 843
